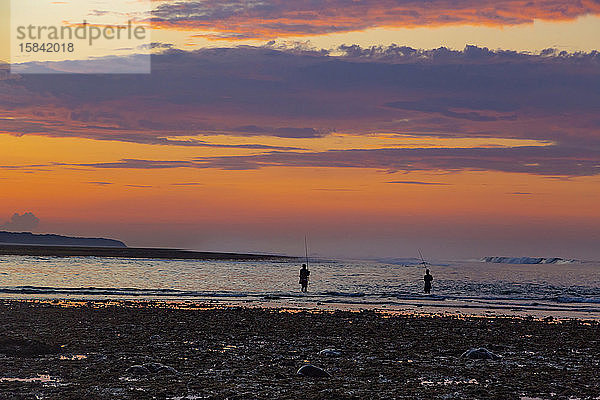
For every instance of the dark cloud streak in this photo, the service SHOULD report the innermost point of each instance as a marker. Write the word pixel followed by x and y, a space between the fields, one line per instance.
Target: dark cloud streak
pixel 550 161
pixel 418 183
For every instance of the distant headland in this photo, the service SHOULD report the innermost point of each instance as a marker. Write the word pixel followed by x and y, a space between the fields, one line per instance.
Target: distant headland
pixel 29 244
pixel 32 239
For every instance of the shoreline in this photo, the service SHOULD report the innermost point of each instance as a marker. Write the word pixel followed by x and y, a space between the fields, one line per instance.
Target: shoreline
pixel 131 252
pixel 89 350
pixel 419 306
pixel 212 305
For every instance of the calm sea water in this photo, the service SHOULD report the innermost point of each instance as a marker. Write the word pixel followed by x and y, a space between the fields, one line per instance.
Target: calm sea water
pixel 563 290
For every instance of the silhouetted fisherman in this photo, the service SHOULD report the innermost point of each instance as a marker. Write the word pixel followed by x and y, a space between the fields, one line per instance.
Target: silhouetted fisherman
pixel 427 278
pixel 304 274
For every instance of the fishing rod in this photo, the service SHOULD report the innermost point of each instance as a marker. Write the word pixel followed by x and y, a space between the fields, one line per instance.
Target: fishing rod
pixel 306 251
pixel 423 262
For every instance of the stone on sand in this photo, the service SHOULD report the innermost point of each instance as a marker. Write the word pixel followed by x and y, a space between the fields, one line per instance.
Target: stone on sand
pixel 480 353
pixel 137 370
pixel 158 368
pixel 313 372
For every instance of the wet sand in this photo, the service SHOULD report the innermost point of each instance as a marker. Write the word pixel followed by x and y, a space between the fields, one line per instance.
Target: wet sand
pixel 86 351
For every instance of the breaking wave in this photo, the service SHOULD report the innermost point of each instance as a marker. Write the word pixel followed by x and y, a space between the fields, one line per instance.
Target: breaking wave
pixel 528 260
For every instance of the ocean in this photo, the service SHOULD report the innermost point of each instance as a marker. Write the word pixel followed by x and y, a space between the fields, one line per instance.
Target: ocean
pixel 492 286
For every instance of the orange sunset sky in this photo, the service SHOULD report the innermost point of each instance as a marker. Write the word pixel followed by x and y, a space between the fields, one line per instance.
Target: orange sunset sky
pixel 376 128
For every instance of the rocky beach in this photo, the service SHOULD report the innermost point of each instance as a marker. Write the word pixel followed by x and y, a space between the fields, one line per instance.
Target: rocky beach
pixel 159 350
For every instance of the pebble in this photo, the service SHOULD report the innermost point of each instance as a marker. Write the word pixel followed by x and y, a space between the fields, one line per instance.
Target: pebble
pixel 330 353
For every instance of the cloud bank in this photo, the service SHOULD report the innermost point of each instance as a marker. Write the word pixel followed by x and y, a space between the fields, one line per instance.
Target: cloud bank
pixel 553 97
pixel 250 19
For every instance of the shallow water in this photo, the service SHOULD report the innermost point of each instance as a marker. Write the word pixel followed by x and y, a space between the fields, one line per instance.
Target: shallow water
pixel 563 290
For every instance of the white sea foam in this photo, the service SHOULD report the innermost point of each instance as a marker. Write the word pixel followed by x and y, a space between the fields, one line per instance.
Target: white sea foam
pixel 528 260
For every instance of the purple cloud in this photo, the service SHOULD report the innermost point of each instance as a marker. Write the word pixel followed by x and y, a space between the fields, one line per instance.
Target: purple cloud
pixel 472 93
pixel 475 93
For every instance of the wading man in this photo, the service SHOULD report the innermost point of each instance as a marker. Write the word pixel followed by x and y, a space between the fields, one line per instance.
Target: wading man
pixel 304 274
pixel 427 278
